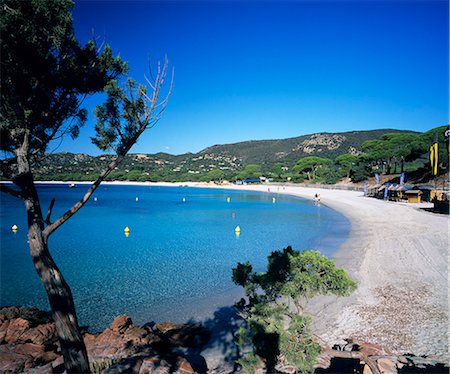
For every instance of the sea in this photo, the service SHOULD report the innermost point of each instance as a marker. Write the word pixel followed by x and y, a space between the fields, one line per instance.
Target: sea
pixel 175 264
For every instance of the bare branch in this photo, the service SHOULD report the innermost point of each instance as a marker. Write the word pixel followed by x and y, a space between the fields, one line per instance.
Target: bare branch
pixel 150 69
pixel 49 212
pixel 6 189
pixel 149 82
pixel 149 121
pixel 77 206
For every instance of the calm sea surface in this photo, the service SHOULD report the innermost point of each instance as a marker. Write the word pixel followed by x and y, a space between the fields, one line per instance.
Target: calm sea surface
pixel 175 264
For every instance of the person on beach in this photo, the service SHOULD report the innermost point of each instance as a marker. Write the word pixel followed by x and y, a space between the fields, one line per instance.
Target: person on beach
pixel 317 199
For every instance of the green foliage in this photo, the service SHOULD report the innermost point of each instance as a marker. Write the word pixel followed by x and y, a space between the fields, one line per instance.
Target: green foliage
pixel 310 166
pixel 347 162
pixel 97 367
pixel 360 172
pixel 251 171
pixel 46 73
pixel 392 148
pixel 297 345
pixel 275 322
pixel 216 175
pixel 277 170
pixel 192 167
pixel 120 117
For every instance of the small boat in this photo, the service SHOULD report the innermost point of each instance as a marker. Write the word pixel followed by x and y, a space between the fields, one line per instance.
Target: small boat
pixel 72 185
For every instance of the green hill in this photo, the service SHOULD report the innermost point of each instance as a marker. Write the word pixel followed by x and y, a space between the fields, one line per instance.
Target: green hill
pixel 229 158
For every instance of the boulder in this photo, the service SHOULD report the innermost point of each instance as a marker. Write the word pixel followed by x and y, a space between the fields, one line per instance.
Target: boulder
pixel 121 323
pixel 166 365
pixel 387 366
pixel 369 349
pixel 27 339
pixel 22 357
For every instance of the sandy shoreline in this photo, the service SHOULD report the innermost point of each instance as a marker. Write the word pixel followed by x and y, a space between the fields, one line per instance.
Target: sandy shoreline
pixel 399 256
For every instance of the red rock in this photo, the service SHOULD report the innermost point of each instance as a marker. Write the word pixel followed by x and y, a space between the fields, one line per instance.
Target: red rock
pixel 157 365
pixel 23 356
pixel 386 366
pixel 15 329
pixel 166 326
pixel 184 366
pixel 121 323
pixel 4 324
pixel 370 349
pixel 46 369
pixel 41 334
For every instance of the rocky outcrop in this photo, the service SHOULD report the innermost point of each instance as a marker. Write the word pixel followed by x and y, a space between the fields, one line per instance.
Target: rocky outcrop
pixel 27 339
pixel 28 343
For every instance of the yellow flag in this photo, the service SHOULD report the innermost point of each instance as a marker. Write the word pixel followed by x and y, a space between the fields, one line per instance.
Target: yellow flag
pixel 434 156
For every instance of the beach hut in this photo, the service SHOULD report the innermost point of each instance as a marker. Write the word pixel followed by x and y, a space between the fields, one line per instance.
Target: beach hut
pixel 413 196
pixel 400 191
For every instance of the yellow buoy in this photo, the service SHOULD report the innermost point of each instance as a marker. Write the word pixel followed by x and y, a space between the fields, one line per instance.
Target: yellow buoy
pixel 228 199
pixel 126 229
pixel 137 199
pixel 14 228
pixel 127 234
pixel 237 229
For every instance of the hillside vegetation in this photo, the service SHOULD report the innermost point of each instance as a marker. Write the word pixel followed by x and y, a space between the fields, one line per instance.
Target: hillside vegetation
pixel 321 157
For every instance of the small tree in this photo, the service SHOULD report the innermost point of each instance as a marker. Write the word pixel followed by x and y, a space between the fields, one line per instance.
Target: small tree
pixel 347 162
pixel 276 326
pixel 310 165
pixel 215 175
pixel 251 171
pixel 45 76
pixel 278 170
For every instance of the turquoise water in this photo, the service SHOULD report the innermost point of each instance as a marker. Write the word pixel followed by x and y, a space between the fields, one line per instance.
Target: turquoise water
pixel 175 264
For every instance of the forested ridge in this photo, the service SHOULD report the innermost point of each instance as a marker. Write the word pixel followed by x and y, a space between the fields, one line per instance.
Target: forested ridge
pixel 320 157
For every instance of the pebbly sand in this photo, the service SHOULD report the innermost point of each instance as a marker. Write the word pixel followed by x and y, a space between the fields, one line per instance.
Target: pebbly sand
pixel 398 254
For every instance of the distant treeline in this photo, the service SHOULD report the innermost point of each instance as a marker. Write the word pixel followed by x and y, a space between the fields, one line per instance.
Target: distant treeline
pixel 389 153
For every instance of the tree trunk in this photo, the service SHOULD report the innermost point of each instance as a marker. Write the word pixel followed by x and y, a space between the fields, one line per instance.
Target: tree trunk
pixel 58 291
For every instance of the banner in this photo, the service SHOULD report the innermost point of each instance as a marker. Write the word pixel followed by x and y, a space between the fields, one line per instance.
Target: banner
pixel 386 190
pixel 434 156
pixel 365 188
pixel 377 178
pixel 402 178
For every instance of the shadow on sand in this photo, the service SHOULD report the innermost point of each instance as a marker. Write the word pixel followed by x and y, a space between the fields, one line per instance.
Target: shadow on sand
pixel 221 351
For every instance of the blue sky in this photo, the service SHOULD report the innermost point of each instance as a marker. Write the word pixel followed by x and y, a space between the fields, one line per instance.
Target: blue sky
pixel 248 70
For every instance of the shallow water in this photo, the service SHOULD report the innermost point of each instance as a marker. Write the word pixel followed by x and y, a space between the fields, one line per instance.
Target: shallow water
pixel 175 264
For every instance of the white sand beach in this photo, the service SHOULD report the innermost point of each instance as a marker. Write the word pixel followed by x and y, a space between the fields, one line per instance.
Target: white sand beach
pixel 398 254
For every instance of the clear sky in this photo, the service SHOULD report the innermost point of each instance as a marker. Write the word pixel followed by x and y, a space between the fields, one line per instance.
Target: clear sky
pixel 247 70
